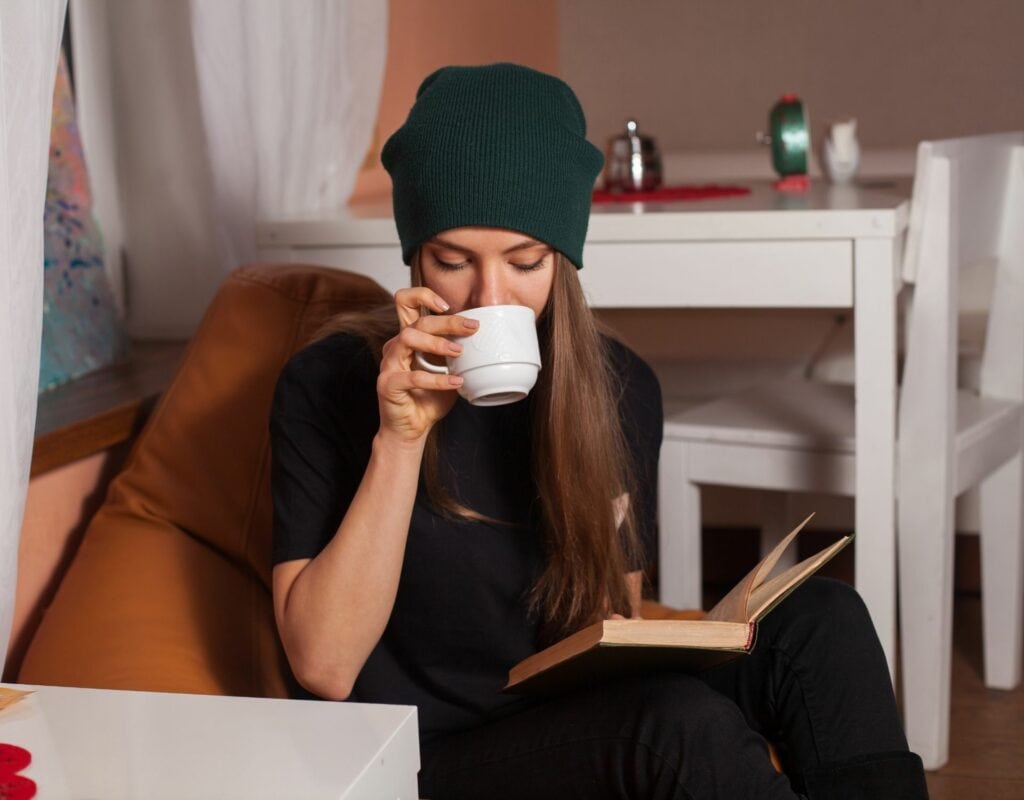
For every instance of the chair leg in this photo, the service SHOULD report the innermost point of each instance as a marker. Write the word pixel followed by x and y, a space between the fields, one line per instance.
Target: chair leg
pixel 1002 565
pixel 679 545
pixel 926 614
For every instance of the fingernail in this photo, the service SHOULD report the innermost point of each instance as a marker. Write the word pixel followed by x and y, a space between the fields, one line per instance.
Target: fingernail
pixel 472 323
pixel 443 305
pixel 454 347
pixel 455 380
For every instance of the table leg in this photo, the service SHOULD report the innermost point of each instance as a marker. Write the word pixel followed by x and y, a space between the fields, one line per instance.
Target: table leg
pixel 875 272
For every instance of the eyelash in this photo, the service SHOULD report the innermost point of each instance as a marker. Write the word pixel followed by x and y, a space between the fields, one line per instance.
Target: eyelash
pixel 449 267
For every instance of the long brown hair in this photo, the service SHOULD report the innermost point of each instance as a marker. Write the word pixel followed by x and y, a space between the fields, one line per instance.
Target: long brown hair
pixel 580 459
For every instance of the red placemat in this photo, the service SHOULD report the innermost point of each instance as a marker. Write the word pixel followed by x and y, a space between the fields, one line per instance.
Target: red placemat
pixel 707 191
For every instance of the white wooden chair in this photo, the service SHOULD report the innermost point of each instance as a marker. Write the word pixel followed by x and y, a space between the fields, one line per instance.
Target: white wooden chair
pixel 797 436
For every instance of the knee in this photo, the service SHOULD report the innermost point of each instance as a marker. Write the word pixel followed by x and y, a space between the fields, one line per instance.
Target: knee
pixel 684 739
pixel 823 609
pixel 686 734
pixel 828 601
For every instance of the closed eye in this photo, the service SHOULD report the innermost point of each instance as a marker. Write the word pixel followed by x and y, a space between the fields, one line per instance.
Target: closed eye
pixel 448 265
pixel 530 267
pixel 453 266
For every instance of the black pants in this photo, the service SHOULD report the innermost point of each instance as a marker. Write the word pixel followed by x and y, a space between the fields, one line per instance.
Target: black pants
pixel 816 684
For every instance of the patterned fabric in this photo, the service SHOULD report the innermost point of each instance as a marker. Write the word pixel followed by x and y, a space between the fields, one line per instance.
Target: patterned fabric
pixel 81 329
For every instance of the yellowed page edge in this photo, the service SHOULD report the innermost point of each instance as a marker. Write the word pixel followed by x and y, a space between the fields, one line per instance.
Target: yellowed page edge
pixel 768 563
pixel 768 595
pixel 688 633
pixel 673 632
pixel 734 606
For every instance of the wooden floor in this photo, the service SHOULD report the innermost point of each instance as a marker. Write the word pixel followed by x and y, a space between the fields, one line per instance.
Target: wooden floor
pixel 986 738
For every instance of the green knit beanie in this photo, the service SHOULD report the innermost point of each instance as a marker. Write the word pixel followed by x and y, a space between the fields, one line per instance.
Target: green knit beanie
pixel 500 146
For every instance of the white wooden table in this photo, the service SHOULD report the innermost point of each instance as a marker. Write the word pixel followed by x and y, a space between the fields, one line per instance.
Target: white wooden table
pixel 831 247
pixel 92 743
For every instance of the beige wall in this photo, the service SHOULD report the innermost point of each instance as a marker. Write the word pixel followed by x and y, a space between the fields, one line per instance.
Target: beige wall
pixel 701 76
pixel 426 34
pixel 703 73
pixel 423 36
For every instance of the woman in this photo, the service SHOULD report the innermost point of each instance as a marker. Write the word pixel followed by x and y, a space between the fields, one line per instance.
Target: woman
pixel 422 546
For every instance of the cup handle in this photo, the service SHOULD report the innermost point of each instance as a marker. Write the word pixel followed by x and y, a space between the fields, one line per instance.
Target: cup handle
pixel 422 363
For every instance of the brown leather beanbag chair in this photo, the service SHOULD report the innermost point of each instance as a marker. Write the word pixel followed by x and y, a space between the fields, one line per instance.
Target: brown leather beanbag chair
pixel 169 590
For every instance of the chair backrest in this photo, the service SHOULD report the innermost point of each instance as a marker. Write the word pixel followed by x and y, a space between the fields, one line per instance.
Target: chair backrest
pixel 968 210
pixel 202 462
pixel 965 209
pixel 968 207
pixel 1002 365
pixel 169 590
pixel 978 196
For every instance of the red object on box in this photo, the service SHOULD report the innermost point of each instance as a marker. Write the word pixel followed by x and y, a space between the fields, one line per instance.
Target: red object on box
pixel 708 191
pixel 16 787
pixel 13 758
pixel 13 786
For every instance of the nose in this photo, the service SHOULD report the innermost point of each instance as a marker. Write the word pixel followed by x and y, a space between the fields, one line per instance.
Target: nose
pixel 491 288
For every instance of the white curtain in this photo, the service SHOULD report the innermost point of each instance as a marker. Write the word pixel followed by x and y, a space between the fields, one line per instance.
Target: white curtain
pixel 200 118
pixel 30 32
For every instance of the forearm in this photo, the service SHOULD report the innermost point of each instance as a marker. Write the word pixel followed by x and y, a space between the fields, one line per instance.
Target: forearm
pixel 339 604
pixel 635 585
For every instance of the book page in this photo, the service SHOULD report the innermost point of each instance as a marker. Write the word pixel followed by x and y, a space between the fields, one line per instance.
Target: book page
pixel 734 606
pixel 9 697
pixel 674 633
pixel 765 597
pixel 631 645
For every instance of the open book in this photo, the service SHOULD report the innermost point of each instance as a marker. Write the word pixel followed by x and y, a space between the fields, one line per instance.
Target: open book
pixel 616 646
pixel 8 697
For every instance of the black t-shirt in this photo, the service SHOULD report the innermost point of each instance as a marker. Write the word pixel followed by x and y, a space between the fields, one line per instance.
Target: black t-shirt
pixel 460 616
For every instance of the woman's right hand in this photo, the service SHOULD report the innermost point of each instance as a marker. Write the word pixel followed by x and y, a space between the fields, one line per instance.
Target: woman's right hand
pixel 412 400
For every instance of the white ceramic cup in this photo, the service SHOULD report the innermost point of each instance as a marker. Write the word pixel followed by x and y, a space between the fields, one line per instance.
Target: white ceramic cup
pixel 499 361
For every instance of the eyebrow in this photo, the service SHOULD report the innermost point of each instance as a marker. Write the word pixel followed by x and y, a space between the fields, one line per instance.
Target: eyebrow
pixel 523 245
